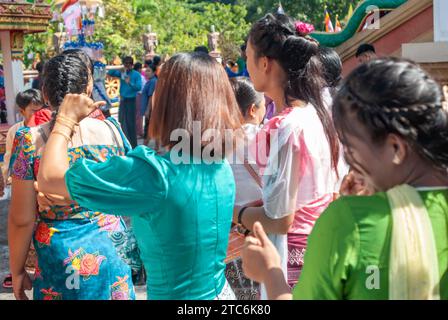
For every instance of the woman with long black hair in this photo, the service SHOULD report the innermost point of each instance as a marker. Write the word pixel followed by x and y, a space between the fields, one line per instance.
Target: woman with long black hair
pixel 298 149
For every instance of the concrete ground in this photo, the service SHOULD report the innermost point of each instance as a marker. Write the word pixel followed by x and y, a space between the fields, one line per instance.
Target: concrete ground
pixel 6 294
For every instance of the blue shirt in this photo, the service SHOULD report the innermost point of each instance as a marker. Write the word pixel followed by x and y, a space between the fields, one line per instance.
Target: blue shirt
pixel 133 88
pixel 147 93
pixel 231 74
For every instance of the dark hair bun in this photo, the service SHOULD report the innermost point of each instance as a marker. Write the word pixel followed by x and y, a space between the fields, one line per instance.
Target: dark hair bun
pixel 275 36
pixel 297 52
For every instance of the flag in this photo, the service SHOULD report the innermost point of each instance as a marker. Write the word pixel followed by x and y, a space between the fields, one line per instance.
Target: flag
pixel 349 14
pixel 280 9
pixel 72 17
pixel 67 4
pixel 338 27
pixel 328 23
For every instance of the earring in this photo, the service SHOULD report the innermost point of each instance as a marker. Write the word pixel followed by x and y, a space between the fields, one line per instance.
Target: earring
pixel 396 160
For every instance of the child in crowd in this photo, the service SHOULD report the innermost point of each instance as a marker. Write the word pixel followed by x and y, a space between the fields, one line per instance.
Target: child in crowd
pixel 31 108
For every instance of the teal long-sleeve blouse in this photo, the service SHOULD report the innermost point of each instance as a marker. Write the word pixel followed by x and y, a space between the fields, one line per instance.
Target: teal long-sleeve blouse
pixel 181 216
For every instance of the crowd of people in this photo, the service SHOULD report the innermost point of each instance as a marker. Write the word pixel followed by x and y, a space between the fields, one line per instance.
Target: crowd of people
pixel 330 188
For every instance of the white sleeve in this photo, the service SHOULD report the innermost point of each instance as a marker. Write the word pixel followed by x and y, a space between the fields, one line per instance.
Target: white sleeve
pixel 281 185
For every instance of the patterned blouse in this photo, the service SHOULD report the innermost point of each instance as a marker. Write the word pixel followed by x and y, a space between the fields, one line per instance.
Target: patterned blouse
pixel 82 254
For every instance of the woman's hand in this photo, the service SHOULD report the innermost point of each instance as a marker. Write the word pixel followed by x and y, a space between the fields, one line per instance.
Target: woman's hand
pixel 46 201
pixel 355 184
pixel 259 255
pixel 78 106
pixel 20 283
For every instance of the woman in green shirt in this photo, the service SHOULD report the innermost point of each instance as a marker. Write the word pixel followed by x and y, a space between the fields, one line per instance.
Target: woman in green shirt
pixel 180 202
pixel 390 119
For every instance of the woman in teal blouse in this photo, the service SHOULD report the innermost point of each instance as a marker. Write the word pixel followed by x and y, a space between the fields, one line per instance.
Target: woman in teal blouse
pixel 181 212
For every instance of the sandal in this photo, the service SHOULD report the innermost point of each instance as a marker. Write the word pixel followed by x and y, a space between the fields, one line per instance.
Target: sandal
pixel 7 282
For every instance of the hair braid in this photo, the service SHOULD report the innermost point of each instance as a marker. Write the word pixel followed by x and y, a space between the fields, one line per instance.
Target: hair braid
pixel 396 96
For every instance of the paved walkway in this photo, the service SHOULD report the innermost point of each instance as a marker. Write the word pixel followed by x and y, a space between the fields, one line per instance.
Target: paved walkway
pixel 6 294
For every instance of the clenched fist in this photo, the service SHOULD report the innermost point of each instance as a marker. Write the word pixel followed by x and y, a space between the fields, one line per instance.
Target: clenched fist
pixel 78 106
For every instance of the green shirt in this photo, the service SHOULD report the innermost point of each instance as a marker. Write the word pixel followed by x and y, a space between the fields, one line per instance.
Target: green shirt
pixel 348 250
pixel 181 216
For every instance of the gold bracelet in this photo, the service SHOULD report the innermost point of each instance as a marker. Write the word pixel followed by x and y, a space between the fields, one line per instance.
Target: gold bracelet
pixel 61 133
pixel 65 124
pixel 67 120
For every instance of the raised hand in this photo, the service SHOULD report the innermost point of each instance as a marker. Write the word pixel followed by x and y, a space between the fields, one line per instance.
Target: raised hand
pixel 259 255
pixel 78 106
pixel 355 184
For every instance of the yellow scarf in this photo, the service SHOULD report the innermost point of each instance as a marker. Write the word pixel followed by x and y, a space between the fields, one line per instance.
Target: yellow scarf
pixel 413 267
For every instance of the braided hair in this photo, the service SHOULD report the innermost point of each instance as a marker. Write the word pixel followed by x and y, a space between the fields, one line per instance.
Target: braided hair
pixel 69 72
pixel 392 95
pixel 275 36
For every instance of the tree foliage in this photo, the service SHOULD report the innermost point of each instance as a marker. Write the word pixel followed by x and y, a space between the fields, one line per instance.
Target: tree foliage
pixel 182 25
pixel 119 29
pixel 311 11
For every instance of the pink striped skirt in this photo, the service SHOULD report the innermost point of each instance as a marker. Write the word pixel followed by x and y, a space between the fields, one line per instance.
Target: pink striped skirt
pixel 296 252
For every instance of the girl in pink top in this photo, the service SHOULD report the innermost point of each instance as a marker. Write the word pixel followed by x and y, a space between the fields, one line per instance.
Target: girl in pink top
pixel 298 149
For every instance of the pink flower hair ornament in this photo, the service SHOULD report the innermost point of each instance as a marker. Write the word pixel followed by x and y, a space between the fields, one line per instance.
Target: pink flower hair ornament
pixel 304 28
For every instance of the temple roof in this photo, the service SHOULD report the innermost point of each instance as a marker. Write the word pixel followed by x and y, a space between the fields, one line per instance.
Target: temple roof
pixel 356 22
pixel 24 16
